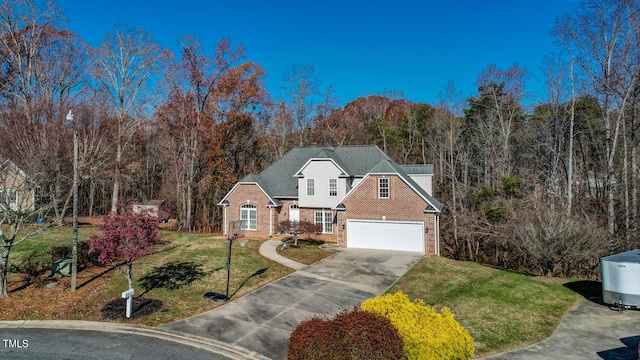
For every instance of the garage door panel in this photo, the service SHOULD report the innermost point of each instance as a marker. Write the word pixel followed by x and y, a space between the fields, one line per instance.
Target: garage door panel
pixel 385 235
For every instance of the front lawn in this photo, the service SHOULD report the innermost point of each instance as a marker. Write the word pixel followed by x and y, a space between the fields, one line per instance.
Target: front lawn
pixel 307 252
pixel 178 273
pixel 502 310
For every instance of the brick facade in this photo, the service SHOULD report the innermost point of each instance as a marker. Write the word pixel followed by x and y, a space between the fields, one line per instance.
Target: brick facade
pixel 403 204
pixel 250 194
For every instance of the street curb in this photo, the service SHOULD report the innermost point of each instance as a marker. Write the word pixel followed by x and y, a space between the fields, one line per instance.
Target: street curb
pixel 211 345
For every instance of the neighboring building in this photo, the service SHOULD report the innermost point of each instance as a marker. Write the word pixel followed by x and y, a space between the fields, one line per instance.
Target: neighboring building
pixel 17 192
pixel 360 197
pixel 152 207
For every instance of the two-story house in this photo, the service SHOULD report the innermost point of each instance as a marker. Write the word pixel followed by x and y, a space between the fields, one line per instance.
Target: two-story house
pixel 360 197
pixel 17 191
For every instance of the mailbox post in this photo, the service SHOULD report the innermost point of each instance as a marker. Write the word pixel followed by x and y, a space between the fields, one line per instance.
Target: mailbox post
pixel 129 296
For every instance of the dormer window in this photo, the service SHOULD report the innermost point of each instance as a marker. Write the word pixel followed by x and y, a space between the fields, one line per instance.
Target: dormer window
pixel 383 188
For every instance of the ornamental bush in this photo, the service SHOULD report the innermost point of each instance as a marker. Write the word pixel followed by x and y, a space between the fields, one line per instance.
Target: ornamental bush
pixel 426 334
pixel 354 334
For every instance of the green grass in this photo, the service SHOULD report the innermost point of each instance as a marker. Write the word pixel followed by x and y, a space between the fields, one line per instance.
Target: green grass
pixel 307 252
pixel 501 310
pixel 186 267
pixel 178 272
pixel 38 246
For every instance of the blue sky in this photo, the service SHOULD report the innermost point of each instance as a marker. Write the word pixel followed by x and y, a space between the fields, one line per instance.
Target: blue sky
pixel 361 47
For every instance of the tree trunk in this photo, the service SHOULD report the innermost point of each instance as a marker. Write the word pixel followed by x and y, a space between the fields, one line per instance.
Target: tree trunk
pixel 570 150
pixel 4 265
pixel 116 176
pixel 92 194
pixel 130 274
pixel 625 181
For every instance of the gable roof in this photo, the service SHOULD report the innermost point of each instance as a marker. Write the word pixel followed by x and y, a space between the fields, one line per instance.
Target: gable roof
pixel 390 167
pixel 355 160
pixel 279 179
pixel 326 154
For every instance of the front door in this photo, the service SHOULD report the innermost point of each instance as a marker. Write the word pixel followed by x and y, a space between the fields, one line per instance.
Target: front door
pixel 294 213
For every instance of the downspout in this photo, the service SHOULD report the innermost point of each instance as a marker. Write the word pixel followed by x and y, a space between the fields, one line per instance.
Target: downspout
pixel 224 219
pixel 270 221
pixel 436 233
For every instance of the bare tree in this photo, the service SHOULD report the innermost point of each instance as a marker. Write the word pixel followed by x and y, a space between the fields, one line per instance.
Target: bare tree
pixel 450 105
pixel 301 86
pixel 127 64
pixel 42 66
pixel 18 208
pixel 602 37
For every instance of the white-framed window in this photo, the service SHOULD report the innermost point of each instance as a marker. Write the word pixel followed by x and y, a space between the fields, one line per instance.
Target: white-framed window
pixel 249 217
pixel 383 188
pixel 311 187
pixel 10 198
pixel 333 187
pixel 325 219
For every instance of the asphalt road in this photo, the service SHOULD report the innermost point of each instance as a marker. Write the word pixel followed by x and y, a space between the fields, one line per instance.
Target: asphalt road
pixel 86 344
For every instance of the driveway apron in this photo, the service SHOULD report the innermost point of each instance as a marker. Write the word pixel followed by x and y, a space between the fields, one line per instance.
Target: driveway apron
pixel 263 320
pixel 589 330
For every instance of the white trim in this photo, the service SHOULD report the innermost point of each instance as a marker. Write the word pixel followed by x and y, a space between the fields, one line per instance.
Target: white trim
pixel 307 187
pixel 436 234
pixel 329 187
pixel 248 209
pixel 224 220
pixel 324 220
pixel 297 208
pixel 423 244
pixel 353 189
pixel 270 221
pixel 299 172
pixel 380 188
pixel 273 201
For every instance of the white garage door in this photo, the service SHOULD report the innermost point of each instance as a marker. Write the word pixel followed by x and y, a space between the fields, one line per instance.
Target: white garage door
pixel 385 235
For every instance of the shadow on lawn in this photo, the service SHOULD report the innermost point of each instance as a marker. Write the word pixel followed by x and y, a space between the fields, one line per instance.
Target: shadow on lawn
pixel 97 276
pixel 173 276
pixel 259 272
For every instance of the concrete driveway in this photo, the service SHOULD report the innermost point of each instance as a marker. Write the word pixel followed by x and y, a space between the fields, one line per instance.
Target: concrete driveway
pixel 263 320
pixel 590 330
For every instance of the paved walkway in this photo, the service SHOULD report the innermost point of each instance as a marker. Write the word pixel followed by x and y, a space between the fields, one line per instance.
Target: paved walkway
pixel 268 250
pixel 262 321
pixel 590 330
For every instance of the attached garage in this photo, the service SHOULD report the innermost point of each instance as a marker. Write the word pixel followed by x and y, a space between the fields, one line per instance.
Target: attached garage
pixel 385 235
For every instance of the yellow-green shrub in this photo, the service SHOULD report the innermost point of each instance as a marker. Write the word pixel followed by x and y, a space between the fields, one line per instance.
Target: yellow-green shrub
pixel 426 334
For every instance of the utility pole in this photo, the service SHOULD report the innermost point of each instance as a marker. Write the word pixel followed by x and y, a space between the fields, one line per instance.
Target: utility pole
pixel 74 256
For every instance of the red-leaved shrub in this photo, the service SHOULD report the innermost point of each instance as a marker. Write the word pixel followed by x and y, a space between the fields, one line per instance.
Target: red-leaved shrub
pixel 354 334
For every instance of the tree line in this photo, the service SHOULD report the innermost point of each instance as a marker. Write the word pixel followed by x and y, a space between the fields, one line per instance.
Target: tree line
pixel 545 187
